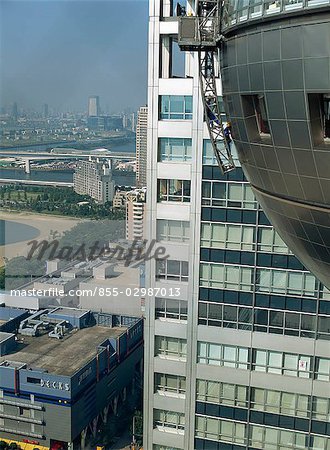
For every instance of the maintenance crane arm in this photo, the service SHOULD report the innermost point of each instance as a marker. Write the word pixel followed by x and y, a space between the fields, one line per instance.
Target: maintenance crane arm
pixel 202 33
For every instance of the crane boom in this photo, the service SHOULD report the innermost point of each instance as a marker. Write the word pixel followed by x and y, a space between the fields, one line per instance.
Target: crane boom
pixel 202 33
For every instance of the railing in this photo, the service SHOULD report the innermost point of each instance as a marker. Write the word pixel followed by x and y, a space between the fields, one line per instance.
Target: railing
pixel 236 12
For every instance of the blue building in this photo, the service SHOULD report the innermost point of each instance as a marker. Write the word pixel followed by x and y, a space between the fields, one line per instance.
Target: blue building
pixel 63 373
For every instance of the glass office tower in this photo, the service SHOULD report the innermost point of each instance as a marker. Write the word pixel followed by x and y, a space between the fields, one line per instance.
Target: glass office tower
pixel 237 333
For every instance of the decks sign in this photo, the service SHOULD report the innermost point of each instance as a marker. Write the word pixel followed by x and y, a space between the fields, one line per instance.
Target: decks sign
pixel 55 385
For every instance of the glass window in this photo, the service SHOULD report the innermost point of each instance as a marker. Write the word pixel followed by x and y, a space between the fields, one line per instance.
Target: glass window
pixel 273 401
pixel 173 191
pixel 286 282
pixel 323 369
pixel 320 408
pixel 173 348
pixel 288 403
pixel 214 354
pixel 169 419
pixel 271 437
pixel 228 194
pixel 290 364
pixel 302 406
pixel 260 360
pixel 170 384
pixel 229 356
pixel 233 237
pixel 213 391
pixel 228 393
pixel 212 428
pixel 226 276
pixel 257 436
pixel 175 107
pixel 208 153
pixel 171 309
pixel 241 396
pixel 226 431
pixel 319 443
pixel 174 149
pixel 275 362
pixel 171 270
pixel 173 230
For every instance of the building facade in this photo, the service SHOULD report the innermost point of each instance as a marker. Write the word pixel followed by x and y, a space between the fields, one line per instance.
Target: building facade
pixel 94 178
pixel 141 146
pixel 94 106
pixel 136 214
pixel 236 334
pixel 56 392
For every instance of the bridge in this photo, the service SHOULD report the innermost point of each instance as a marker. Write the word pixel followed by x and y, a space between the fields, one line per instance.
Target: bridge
pixel 65 155
pixel 36 183
pixel 27 157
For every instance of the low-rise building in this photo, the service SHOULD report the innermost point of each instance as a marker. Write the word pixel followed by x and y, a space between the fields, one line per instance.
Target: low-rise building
pixel 61 383
pixel 115 288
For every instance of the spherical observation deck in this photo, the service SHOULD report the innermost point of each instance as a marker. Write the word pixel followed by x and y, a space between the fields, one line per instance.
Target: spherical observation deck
pixel 275 65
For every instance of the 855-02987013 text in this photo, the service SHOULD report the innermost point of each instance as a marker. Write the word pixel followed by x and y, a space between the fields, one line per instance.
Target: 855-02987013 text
pixel 100 292
pixel 133 292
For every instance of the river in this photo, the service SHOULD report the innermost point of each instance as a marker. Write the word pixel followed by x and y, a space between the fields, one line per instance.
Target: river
pixel 129 147
pixel 66 176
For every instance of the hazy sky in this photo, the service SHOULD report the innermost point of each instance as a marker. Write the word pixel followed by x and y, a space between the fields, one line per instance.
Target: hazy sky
pixel 61 51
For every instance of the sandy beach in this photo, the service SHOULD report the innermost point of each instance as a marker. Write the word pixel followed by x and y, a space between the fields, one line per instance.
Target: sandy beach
pixel 46 224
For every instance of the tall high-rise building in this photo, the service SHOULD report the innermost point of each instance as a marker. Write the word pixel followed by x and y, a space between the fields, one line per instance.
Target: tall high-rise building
pixel 14 111
pixel 141 146
pixel 237 331
pixel 45 111
pixel 94 178
pixel 94 106
pixel 133 121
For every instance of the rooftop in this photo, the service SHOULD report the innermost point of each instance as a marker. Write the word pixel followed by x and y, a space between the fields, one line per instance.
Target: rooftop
pixel 123 277
pixel 71 312
pixel 65 356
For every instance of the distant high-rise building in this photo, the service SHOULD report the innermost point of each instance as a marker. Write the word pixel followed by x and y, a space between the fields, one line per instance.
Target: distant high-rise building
pixel 105 123
pixel 136 214
pixel 14 111
pixel 125 121
pixel 94 178
pixel 45 110
pixel 133 121
pixel 94 105
pixel 141 146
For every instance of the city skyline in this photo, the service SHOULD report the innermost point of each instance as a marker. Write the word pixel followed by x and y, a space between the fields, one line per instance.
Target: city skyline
pixel 84 51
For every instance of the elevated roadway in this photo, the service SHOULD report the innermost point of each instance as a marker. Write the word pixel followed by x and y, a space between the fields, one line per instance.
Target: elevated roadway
pixel 34 182
pixel 46 155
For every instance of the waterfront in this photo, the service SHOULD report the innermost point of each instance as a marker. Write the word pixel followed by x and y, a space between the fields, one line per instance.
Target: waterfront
pixel 13 232
pixel 128 146
pixel 66 176
pixel 43 227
